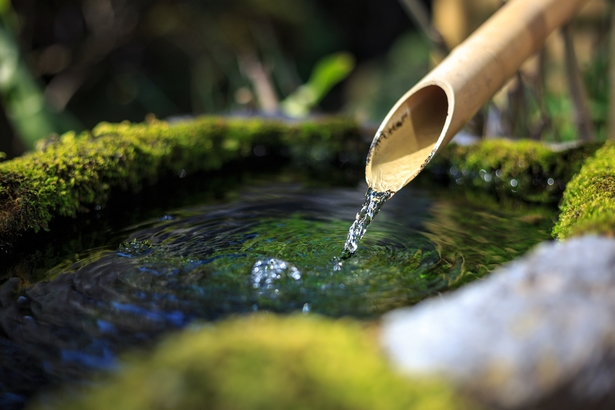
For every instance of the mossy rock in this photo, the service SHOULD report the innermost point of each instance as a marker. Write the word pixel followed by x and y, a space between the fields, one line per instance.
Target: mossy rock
pixel 72 173
pixel 588 204
pixel 266 362
pixel 526 169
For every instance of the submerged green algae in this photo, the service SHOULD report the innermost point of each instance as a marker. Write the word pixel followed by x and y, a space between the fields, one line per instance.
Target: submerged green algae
pixel 72 173
pixel 265 362
pixel 588 204
pixel 422 244
pixel 272 253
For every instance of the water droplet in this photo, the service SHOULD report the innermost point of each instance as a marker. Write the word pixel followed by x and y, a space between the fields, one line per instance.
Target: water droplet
pixel 550 181
pixel 374 200
pixel 337 264
pixel 514 183
pixel 267 272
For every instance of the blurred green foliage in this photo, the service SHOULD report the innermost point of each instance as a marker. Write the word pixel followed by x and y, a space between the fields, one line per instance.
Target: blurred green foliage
pixel 558 106
pixel 20 92
pixel 596 78
pixel 107 60
pixel 328 72
pixel 548 111
pixel 378 84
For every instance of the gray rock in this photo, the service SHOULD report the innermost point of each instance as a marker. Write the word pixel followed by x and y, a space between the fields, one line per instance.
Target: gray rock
pixel 537 333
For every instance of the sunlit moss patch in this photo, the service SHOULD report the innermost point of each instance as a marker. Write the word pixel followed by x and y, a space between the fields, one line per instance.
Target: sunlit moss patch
pixel 588 205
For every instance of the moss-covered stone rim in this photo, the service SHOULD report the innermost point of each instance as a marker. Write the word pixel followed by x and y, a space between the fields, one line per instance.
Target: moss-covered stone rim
pixel 68 174
pixel 71 173
pixel 530 170
pixel 588 204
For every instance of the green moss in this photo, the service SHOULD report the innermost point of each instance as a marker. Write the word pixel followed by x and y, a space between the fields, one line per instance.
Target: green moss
pixel 527 169
pixel 70 173
pixel 266 362
pixel 588 205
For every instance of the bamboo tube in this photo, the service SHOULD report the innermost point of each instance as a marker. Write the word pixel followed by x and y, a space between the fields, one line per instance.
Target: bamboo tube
pixel 428 116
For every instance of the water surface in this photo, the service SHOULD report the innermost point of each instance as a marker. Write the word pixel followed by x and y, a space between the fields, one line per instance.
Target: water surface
pixel 273 247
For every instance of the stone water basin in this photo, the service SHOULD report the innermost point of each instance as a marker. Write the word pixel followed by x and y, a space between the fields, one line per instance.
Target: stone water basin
pixel 185 278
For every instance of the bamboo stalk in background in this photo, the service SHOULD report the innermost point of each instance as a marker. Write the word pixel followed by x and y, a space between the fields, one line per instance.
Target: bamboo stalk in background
pixel 580 109
pixel 611 121
pixel 434 110
pixel 260 78
pixel 538 84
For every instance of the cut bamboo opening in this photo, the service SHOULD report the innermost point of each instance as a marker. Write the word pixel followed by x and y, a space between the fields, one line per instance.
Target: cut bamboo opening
pixel 428 116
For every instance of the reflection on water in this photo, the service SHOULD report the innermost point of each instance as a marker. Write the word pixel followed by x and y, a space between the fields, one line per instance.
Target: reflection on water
pixel 271 250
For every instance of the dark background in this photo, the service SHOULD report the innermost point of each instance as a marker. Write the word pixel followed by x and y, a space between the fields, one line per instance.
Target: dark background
pixel 117 60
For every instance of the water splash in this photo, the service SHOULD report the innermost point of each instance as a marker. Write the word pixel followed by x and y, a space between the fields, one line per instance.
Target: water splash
pixel 134 249
pixel 267 272
pixel 374 200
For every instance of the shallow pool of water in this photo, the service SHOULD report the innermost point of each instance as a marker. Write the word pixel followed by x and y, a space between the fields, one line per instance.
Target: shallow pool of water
pixel 273 247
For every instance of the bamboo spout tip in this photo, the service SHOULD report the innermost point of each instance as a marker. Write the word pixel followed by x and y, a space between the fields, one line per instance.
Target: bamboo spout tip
pixel 408 137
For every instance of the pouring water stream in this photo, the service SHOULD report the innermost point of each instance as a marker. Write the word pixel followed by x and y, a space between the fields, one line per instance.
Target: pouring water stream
pixel 374 201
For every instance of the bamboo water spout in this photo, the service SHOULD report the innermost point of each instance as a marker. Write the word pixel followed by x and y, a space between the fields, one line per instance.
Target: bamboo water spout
pixel 428 116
